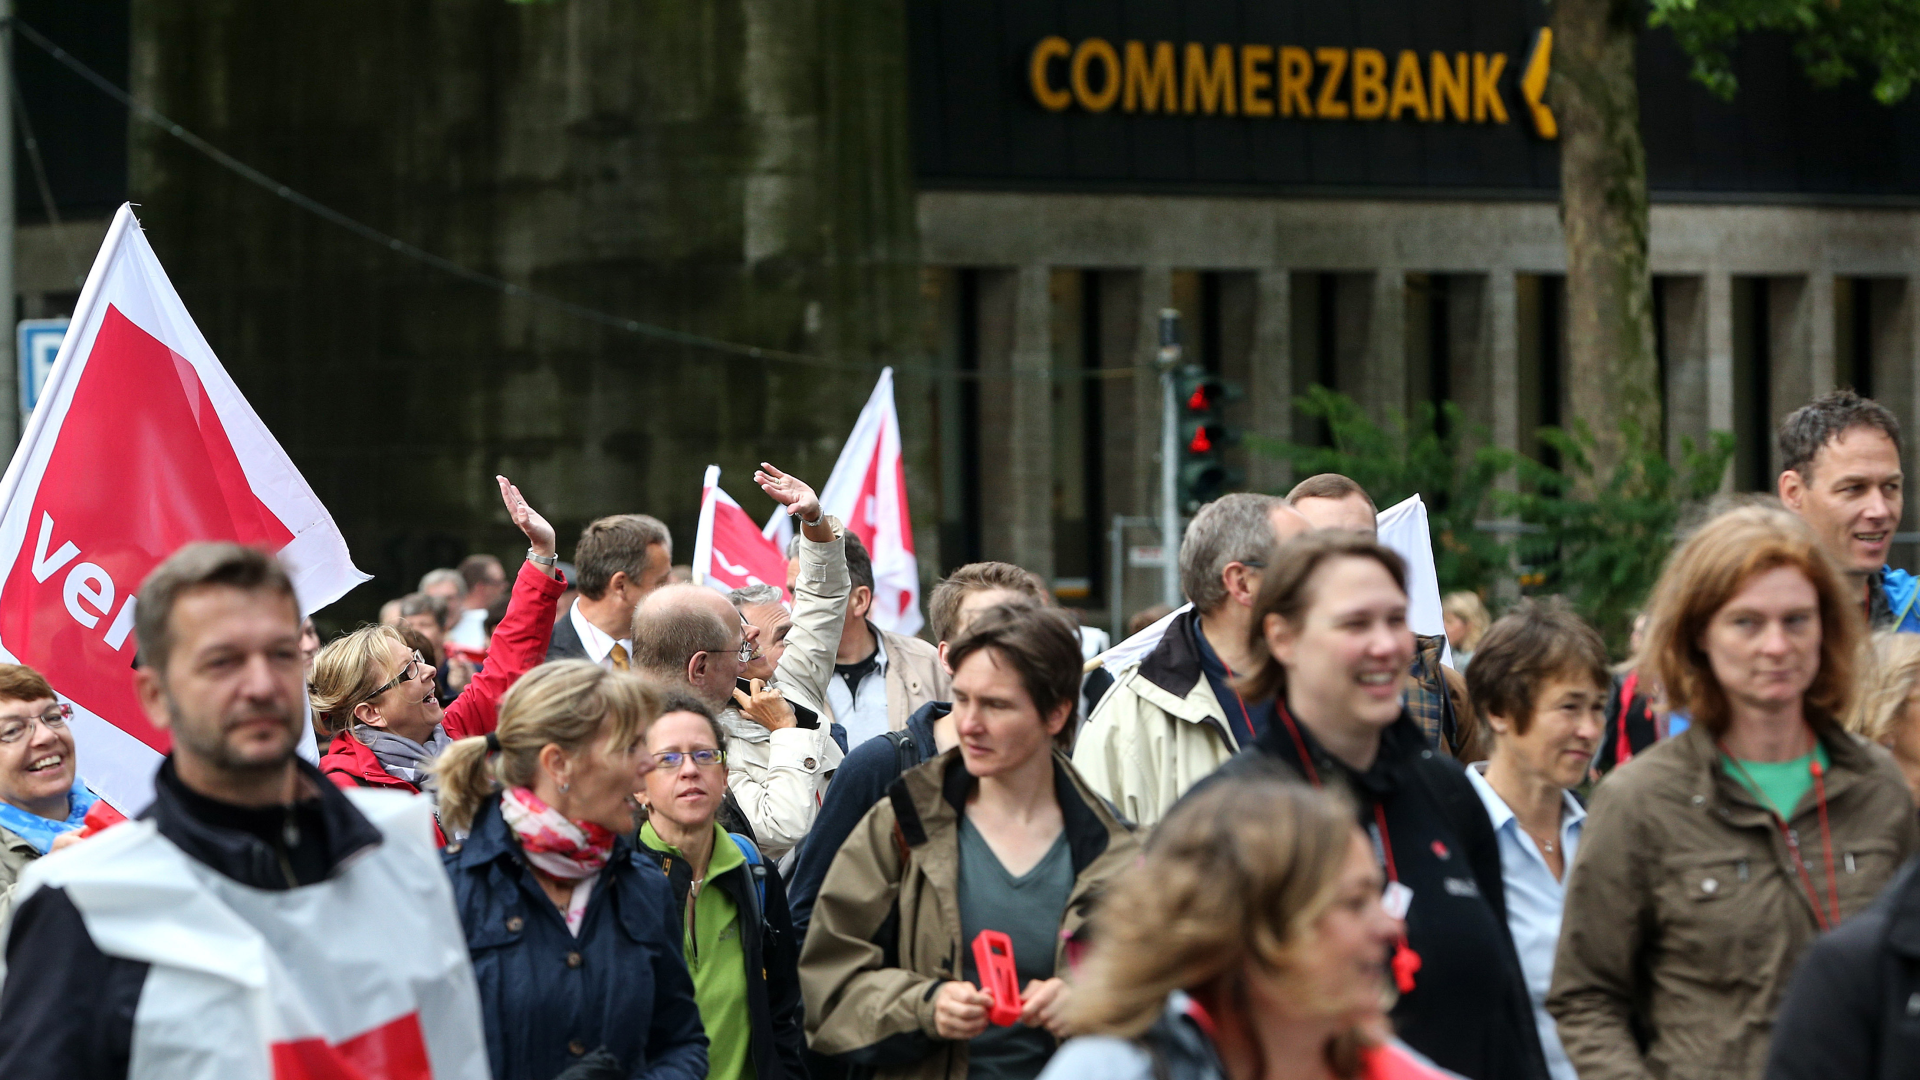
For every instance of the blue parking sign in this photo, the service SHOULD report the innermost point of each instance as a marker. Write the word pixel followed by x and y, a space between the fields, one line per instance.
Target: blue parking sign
pixel 36 344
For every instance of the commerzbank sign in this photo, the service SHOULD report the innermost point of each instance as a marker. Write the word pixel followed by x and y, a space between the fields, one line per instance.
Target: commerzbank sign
pixel 1291 82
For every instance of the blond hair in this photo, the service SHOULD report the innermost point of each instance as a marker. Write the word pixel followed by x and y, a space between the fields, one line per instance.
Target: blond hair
pixel 1240 871
pixel 348 670
pixel 1893 672
pixel 572 704
pixel 1466 607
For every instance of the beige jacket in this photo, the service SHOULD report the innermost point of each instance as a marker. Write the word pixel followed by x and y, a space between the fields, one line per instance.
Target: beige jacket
pixel 915 676
pixel 15 855
pixel 1686 913
pixel 886 926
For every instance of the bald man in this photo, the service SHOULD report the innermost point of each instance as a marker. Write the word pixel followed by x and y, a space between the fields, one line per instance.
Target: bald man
pixel 1172 717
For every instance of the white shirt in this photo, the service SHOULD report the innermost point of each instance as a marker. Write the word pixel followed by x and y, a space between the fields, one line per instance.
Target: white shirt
pixel 471 630
pixel 595 640
pixel 1534 903
pixel 863 715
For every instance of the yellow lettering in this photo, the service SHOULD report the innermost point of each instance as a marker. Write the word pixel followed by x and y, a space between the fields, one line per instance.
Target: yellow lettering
pixel 1449 85
pixel 1296 76
pixel 1369 84
pixel 1409 91
pixel 1334 62
pixel 1090 50
pixel 1150 87
pixel 1210 87
pixel 1049 49
pixel 1533 85
pixel 1486 88
pixel 1254 81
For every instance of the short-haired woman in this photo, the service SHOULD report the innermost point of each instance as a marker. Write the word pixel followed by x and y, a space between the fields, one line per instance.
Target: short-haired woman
pixel 1539 684
pixel 1887 709
pixel 1330 626
pixel 575 941
pixel 739 939
pixel 1711 860
pixel 377 694
pixel 41 795
pixel 998 833
pixel 1248 943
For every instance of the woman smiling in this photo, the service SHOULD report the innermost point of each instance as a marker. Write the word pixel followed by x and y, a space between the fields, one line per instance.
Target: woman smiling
pixel 41 796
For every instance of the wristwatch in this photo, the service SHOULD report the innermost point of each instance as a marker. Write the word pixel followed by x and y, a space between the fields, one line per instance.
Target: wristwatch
pixel 816 521
pixel 548 561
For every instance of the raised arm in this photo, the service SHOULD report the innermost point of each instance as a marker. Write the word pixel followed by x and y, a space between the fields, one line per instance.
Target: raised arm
pixel 520 641
pixel 820 590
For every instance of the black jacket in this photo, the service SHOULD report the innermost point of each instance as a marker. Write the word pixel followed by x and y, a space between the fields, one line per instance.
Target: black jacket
pixel 773 961
pixel 1469 1010
pixel 66 1010
pixel 1638 724
pixel 565 643
pixel 1853 1008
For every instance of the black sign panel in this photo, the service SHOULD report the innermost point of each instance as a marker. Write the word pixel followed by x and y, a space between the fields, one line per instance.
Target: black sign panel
pixel 1362 97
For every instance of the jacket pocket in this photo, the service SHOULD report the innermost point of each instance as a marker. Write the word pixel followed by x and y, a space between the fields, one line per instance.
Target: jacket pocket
pixel 1713 915
pixel 1861 868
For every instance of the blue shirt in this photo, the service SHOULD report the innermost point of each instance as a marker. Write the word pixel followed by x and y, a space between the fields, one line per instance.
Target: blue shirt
pixel 1246 724
pixel 1534 903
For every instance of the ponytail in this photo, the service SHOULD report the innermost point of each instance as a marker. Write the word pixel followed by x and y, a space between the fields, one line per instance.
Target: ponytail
pixel 466 777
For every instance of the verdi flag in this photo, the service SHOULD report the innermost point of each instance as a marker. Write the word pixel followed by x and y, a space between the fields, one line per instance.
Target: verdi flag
pixel 140 443
pixel 868 492
pixel 728 550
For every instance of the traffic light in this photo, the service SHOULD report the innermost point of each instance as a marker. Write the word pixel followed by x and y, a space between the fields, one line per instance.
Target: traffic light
pixel 1204 438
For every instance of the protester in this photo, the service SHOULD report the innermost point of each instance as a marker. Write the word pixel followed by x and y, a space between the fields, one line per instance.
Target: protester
pixel 206 939
pixel 1540 684
pixel 447 585
pixel 390 613
pixel 1331 620
pixel 622 560
pixel 1174 717
pixel 1636 709
pixel 576 941
pixel 689 639
pixel 430 615
pixel 486 582
pixel 1709 862
pixel 1888 705
pixel 865 775
pixel 740 945
pixel 42 798
pixel 1466 620
pixel 880 677
pixel 1840 456
pixel 1332 501
pixel 1248 943
pixel 998 833
pixel 378 694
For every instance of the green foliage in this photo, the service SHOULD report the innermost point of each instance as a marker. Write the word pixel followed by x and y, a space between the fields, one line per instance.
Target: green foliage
pixel 1428 455
pixel 1832 38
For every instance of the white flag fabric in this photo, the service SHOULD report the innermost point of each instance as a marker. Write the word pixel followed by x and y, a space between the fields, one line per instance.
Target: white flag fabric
pixel 868 492
pixel 141 442
pixel 728 551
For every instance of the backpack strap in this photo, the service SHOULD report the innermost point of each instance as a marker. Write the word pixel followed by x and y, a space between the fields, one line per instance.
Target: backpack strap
pixel 905 754
pixel 756 868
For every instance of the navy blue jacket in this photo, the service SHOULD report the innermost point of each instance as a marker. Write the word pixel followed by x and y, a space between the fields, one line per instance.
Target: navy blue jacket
pixel 861 781
pixel 548 998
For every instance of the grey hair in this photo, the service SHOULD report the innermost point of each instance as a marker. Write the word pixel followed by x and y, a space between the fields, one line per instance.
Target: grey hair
pixel 665 637
pixel 444 574
pixel 754 595
pixel 1233 528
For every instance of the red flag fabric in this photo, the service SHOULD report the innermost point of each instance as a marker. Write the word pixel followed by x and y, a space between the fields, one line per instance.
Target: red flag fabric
pixel 867 490
pixel 728 548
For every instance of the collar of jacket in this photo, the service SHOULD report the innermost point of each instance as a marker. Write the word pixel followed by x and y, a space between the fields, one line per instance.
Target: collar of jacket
pixel 920 726
pixel 351 756
pixel 1173 679
pixel 241 856
pixel 492 843
pixel 930 799
pixel 1401 743
pixel 680 872
pixel 1848 756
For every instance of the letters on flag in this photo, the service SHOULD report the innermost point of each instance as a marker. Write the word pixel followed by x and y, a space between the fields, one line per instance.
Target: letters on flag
pixel 140 443
pixel 728 550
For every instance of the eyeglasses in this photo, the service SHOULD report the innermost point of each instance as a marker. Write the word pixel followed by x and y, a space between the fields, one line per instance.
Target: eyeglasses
pixel 405 675
pixel 15 728
pixel 672 758
pixel 749 650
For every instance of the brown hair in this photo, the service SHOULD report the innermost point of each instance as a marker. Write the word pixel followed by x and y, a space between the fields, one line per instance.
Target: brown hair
pixel 1536 641
pixel 19 682
pixel 199 566
pixel 1239 872
pixel 572 704
pixel 943 606
pixel 614 545
pixel 1286 591
pixel 1880 708
pixel 1706 572
pixel 1040 644
pixel 1329 485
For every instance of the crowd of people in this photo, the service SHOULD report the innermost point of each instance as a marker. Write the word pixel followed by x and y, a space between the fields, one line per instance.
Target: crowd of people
pixel 591 821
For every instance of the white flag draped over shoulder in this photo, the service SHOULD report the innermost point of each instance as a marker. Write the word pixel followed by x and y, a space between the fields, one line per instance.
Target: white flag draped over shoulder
pixel 868 492
pixel 141 443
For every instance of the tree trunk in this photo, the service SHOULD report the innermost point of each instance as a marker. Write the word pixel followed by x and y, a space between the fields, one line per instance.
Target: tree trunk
pixel 1612 372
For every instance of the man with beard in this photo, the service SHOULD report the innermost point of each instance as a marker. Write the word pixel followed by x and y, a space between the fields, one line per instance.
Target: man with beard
pixel 205 939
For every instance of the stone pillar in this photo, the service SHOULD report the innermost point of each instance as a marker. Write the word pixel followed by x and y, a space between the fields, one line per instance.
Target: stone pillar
pixel 1385 393
pixel 1794 377
pixel 1156 292
pixel 1016 436
pixel 1270 379
pixel 1719 332
pixel 1503 358
pixel 1822 357
pixel 1687 404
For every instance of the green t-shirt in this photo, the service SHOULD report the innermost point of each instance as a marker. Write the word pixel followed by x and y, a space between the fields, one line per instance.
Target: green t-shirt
pixel 1028 909
pixel 1778 784
pixel 717 960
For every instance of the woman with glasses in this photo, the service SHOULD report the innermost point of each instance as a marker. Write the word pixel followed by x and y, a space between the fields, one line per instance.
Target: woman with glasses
pixel 739 938
pixel 377 695
pixel 41 796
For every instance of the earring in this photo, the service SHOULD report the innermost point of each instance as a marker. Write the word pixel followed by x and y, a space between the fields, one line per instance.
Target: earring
pixel 564 788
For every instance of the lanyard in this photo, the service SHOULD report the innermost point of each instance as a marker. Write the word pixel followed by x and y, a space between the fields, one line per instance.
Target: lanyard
pixel 1821 918
pixel 1245 718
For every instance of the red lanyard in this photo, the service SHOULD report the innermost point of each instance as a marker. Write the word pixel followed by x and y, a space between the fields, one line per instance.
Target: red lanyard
pixel 1240 701
pixel 1623 750
pixel 1821 918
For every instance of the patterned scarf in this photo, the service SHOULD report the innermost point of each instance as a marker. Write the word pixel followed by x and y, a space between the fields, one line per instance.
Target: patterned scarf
pixel 559 848
pixel 41 832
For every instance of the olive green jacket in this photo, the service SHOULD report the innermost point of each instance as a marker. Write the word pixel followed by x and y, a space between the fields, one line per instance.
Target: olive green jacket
pixel 1686 913
pixel 886 927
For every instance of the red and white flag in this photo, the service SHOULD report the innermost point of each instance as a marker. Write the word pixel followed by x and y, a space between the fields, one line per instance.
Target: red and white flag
pixel 728 551
pixel 140 443
pixel 868 491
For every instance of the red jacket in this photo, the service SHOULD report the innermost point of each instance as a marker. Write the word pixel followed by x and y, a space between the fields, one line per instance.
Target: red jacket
pixel 519 644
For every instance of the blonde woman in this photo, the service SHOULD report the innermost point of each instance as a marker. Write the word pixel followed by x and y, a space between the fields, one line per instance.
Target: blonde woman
pixel 1250 942
pixel 1885 710
pixel 575 942
pixel 1466 620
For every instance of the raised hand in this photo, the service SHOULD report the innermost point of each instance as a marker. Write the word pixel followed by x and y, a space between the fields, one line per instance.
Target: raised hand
pixel 789 491
pixel 539 533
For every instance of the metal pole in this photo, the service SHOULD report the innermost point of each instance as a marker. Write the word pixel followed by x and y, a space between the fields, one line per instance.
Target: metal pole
pixel 1117 572
pixel 1169 457
pixel 9 304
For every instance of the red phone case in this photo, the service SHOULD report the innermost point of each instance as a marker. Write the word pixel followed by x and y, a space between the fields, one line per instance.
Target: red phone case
pixel 993 955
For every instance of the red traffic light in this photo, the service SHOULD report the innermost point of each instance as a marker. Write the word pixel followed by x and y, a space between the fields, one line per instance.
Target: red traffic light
pixel 1202 441
pixel 1202 397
